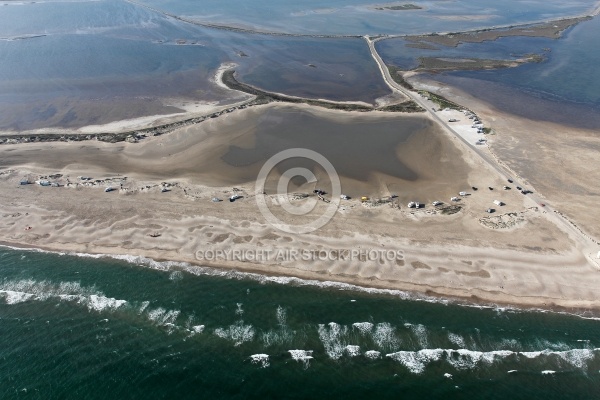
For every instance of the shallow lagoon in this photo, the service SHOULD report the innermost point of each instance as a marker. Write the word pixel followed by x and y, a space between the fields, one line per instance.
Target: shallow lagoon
pixel 150 57
pixel 360 17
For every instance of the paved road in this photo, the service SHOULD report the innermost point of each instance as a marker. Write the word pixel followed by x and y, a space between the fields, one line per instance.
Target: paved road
pixel 588 245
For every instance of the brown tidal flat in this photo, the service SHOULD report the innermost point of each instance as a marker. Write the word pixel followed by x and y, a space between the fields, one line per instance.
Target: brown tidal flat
pixel 375 154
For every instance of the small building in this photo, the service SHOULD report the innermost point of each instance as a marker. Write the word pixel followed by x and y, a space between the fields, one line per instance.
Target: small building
pixel 462 193
pixel 454 198
pixel 24 182
pixel 43 182
pixel 412 204
pixel 364 198
pixel 344 197
pixel 498 203
pixel 436 203
pixel 108 189
pixel 490 210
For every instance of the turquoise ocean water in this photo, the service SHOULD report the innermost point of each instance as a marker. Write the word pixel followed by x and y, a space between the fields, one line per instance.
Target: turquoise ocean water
pixel 98 328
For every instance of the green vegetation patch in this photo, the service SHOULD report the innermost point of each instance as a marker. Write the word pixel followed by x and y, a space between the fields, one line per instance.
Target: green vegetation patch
pixel 441 101
pixel 396 74
pixel 408 106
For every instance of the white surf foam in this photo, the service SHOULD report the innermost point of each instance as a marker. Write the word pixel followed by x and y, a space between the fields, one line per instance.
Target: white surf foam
pixel 143 307
pixel 237 333
pixel 100 303
pixel 352 350
pixel 19 291
pixel 162 317
pixel 416 361
pixel 12 297
pixel 461 359
pixel 457 340
pixel 281 335
pixel 239 310
pixel 176 276
pixel 261 359
pixel 420 332
pixel 469 359
pixel 364 328
pixel 303 356
pixel 372 354
pixel 333 337
pixel 281 316
pixel 385 337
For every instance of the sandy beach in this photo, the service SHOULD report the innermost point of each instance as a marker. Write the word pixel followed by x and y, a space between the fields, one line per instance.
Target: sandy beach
pixel 515 256
pixel 564 170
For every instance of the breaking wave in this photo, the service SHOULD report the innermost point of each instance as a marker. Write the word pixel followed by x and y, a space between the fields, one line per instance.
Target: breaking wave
pixel 20 291
pixel 303 356
pixel 260 359
pixel 237 333
pixel 280 336
pixel 463 359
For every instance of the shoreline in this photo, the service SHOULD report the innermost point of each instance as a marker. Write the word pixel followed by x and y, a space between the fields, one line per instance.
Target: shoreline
pixel 464 262
pixel 263 276
pixel 464 259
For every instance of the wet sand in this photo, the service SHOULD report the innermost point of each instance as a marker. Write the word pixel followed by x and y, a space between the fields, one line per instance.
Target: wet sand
pixel 375 155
